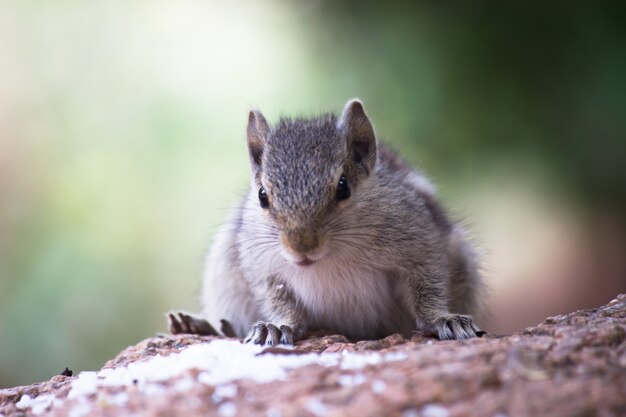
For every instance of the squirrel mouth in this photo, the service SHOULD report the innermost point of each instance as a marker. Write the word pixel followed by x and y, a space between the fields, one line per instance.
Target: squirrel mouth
pixel 305 262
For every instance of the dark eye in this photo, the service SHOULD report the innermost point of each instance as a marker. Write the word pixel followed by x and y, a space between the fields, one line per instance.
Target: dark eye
pixel 265 202
pixel 343 191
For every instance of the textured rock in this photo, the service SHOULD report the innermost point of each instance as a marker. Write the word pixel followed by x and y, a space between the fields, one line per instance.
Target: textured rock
pixel 570 365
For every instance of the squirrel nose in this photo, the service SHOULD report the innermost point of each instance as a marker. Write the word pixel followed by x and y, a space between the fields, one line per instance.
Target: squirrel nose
pixel 301 241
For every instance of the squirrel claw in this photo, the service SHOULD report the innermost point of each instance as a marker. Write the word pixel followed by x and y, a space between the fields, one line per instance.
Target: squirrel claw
pixel 268 334
pixel 456 326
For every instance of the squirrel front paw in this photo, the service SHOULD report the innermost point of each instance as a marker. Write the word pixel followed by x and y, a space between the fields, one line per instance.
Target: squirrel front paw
pixel 268 334
pixel 180 322
pixel 456 326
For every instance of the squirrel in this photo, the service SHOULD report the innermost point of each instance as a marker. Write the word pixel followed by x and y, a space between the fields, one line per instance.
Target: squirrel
pixel 337 232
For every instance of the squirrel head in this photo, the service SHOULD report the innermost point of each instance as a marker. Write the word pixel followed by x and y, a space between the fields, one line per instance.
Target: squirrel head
pixel 307 172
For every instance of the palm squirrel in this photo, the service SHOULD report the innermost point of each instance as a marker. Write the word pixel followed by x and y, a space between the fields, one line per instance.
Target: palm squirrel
pixel 337 233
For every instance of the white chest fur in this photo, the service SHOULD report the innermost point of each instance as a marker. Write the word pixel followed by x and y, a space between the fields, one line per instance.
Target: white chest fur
pixel 359 303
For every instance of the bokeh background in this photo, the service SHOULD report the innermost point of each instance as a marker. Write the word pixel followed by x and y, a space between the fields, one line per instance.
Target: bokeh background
pixel 122 147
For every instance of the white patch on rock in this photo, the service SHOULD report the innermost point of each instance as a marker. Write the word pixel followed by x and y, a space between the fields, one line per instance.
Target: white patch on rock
pixel 153 390
pixel 184 384
pixel 25 402
pixel 228 409
pixel 395 356
pixel 120 399
pixel 87 383
pixel 272 412
pixel 38 404
pixel 434 410
pixel 351 380
pixel 224 391
pixel 379 386
pixel 220 362
pixel 315 406
pixel 352 360
pixel 80 410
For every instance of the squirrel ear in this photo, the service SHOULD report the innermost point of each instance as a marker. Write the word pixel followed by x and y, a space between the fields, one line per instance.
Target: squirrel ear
pixel 359 134
pixel 257 134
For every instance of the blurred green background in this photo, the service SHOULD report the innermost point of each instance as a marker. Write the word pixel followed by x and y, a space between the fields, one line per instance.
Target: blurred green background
pixel 122 146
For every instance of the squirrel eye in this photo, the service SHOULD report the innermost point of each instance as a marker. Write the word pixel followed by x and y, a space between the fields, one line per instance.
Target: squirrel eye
pixel 343 191
pixel 265 202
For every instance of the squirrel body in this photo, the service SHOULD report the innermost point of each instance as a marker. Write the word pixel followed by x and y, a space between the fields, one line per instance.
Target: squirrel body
pixel 337 232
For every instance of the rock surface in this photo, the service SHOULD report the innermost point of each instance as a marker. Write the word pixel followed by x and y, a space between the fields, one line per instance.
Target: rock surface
pixel 570 365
